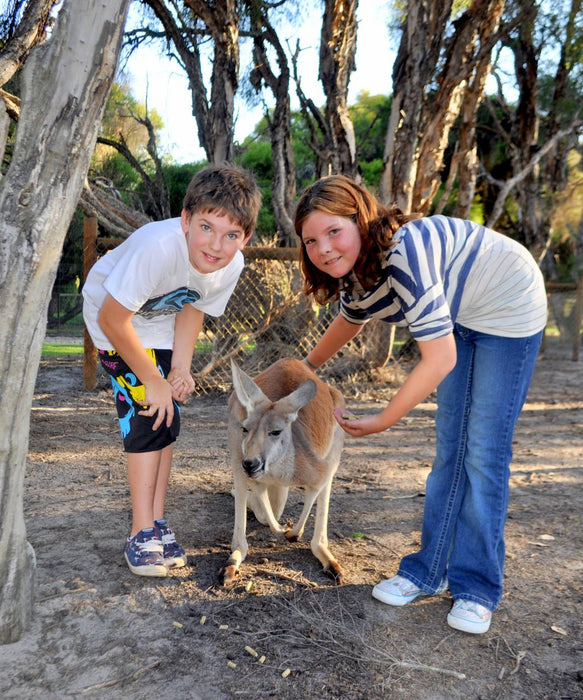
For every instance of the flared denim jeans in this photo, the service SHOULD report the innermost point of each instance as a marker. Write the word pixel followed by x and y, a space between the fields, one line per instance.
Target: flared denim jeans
pixel 478 404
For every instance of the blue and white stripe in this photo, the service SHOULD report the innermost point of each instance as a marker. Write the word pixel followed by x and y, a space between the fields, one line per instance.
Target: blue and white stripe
pixel 443 270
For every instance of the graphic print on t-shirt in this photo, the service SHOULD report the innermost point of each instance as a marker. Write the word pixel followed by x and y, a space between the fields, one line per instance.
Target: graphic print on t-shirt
pixel 170 303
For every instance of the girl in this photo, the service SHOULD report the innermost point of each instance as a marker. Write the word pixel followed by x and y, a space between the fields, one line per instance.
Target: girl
pixel 475 302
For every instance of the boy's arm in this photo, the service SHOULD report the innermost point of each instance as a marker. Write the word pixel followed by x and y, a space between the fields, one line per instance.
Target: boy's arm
pixel 187 328
pixel 116 322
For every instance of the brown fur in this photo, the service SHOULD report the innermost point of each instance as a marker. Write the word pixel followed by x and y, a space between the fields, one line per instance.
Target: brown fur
pixel 280 435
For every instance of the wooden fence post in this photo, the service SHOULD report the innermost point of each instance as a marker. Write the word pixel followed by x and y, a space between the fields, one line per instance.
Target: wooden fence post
pixel 577 314
pixel 89 258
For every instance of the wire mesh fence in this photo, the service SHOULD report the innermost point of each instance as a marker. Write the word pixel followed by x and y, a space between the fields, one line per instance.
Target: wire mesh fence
pixel 269 317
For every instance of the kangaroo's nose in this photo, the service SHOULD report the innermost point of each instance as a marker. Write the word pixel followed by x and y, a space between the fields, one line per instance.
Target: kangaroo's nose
pixel 252 466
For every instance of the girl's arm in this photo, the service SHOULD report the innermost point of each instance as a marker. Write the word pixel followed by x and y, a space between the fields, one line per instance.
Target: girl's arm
pixel 438 358
pixel 338 333
pixel 116 322
pixel 187 328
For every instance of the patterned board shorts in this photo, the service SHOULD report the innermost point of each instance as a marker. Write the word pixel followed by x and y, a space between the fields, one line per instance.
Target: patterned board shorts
pixel 136 430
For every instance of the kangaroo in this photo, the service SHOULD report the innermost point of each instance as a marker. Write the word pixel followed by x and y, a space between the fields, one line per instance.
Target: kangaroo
pixel 282 433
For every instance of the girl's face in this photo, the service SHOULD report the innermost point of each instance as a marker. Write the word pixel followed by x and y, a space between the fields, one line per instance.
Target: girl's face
pixel 332 242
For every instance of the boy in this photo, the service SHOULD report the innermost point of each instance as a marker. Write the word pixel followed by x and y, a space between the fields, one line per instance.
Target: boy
pixel 144 304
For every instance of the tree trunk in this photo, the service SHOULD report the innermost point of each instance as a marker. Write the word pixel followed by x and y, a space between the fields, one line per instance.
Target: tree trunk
pixel 337 62
pixel 467 57
pixel 413 70
pixel 31 31
pixel 332 136
pixel 65 86
pixel 525 129
pixel 468 164
pixel 214 113
pixel 426 103
pixel 283 187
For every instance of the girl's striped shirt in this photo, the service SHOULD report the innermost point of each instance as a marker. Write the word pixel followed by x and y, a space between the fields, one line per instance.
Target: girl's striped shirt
pixel 440 271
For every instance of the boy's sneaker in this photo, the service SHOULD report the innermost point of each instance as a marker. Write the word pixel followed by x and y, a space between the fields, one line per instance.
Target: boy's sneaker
pixel 467 616
pixel 174 555
pixel 144 553
pixel 400 591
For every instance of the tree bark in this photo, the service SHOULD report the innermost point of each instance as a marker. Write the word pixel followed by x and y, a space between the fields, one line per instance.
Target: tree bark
pixel 65 86
pixel 414 67
pixel 31 32
pixel 426 103
pixel 540 141
pixel 337 62
pixel 467 60
pixel 214 112
pixel 283 187
pixel 332 136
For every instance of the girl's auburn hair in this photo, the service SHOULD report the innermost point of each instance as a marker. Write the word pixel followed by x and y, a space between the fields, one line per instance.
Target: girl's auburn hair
pixel 341 196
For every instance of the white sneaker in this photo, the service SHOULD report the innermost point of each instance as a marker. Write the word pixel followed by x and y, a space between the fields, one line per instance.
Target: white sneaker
pixel 467 616
pixel 396 591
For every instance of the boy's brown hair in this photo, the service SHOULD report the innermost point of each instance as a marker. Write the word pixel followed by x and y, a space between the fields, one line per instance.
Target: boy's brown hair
pixel 226 190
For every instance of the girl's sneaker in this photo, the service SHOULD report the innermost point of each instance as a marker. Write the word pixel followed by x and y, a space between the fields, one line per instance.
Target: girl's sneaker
pixel 174 555
pixel 467 616
pixel 144 553
pixel 396 591
pixel 400 591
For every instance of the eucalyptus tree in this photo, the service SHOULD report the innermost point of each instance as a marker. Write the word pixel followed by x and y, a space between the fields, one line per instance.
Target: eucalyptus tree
pixel 278 118
pixel 192 29
pixel 64 87
pixel 545 123
pixel 331 129
pixel 442 62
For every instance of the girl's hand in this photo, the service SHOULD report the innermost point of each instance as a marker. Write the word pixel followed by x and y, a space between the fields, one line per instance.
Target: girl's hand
pixel 158 401
pixel 181 382
pixel 358 426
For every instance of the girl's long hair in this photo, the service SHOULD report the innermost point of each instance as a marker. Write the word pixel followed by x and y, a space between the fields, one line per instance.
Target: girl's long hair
pixel 339 195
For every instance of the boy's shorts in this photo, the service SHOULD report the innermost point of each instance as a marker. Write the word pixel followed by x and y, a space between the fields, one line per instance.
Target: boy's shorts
pixel 136 430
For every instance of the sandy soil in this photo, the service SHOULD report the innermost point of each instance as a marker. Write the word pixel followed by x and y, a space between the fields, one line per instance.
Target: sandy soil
pixel 100 632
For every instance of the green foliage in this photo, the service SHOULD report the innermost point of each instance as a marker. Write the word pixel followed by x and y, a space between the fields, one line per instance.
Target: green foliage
pixel 115 168
pixel 121 114
pixel 121 123
pixel 177 178
pixel 370 116
pixel 371 172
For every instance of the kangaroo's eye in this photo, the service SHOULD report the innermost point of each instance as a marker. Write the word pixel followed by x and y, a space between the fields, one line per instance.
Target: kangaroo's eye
pixel 274 433
pixel 244 430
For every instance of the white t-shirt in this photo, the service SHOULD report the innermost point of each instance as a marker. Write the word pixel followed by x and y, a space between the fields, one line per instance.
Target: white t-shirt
pixel 151 275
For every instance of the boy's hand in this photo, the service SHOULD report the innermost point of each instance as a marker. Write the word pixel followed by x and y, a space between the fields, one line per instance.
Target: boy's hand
pixel 181 382
pixel 158 401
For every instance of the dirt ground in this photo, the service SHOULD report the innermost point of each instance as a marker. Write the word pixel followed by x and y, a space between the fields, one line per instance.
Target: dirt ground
pixel 100 632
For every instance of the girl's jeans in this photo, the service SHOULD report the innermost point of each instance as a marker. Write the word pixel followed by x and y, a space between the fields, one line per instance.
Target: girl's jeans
pixel 478 404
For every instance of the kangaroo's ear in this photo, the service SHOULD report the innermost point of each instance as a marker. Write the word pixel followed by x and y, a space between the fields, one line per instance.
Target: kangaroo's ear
pixel 248 393
pixel 291 404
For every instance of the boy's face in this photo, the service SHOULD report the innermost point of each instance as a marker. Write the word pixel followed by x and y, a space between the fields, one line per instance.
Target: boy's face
pixel 212 240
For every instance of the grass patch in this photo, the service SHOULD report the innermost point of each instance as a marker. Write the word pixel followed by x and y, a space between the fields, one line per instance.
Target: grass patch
pixel 56 350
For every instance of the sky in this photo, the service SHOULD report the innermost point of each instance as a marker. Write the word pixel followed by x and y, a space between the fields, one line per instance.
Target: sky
pixel 161 82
